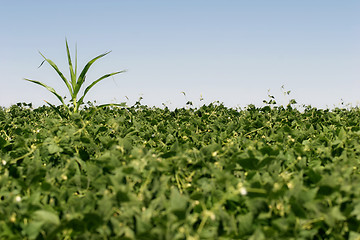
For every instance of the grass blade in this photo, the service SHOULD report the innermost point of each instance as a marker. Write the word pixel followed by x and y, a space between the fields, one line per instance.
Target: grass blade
pixel 72 73
pixel 41 64
pixel 95 82
pixel 112 105
pixel 52 90
pixel 53 65
pixel 75 61
pixel 81 78
pixel 56 110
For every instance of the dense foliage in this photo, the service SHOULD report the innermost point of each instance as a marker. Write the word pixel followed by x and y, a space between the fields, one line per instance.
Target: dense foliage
pixel 193 173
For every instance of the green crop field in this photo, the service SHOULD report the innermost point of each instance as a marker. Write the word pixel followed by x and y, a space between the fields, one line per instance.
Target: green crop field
pixel 80 171
pixel 211 172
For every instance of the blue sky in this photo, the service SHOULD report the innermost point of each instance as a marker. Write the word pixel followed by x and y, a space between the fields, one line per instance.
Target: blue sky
pixel 228 51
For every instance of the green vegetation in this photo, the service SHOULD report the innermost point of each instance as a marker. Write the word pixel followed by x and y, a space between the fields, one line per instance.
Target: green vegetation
pixel 206 173
pixel 76 82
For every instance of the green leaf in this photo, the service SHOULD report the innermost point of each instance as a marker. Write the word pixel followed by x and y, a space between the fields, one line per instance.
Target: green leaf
pixel 57 110
pixel 142 225
pixel 354 236
pixel 266 161
pixel 33 229
pixel 81 100
pixel 257 235
pixel 297 208
pixel 342 134
pixel 112 105
pixel 82 75
pixel 246 223
pixel 47 217
pixel 52 90
pixel 282 224
pixel 72 73
pixel 314 175
pixel 168 154
pixel 92 220
pixel 53 148
pixel 178 203
pixel 334 215
pixel 53 65
pixel 3 142
pixel 248 163
pixel 356 211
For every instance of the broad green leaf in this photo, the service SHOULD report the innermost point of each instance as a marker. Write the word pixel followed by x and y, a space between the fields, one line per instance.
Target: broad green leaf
pixel 354 236
pixel 3 142
pixel 281 223
pixel 92 220
pixel 266 161
pixel 33 229
pixel 257 235
pixel 246 223
pixel 53 148
pixel 314 175
pixel 248 163
pixel 143 225
pixel 46 217
pixel 356 211
pixel 178 203
pixel 168 154
pixel 334 215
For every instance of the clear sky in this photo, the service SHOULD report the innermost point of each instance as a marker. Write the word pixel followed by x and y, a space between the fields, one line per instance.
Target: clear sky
pixel 232 51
